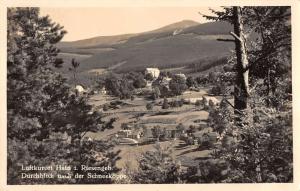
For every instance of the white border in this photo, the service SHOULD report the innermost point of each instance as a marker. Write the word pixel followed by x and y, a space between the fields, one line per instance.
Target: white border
pixel 154 3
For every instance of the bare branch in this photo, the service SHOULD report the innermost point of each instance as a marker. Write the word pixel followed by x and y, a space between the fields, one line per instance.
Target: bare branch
pixel 235 36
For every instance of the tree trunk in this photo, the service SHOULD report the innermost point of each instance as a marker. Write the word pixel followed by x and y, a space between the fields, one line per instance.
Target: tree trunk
pixel 241 89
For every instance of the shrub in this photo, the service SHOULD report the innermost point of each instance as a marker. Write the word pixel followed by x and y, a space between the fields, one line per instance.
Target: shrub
pixel 165 104
pixel 158 166
pixel 198 103
pixel 219 89
pixel 177 85
pixel 176 103
pixel 149 106
pixel 105 107
pixel 149 77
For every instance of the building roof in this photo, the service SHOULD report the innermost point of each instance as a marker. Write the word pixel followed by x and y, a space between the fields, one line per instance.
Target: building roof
pixel 152 69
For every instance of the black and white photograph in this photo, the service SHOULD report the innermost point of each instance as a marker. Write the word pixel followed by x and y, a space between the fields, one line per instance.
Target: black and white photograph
pixel 149 95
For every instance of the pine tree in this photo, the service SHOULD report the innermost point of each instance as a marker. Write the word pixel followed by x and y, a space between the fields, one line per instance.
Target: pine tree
pixel 158 166
pixel 259 147
pixel 46 120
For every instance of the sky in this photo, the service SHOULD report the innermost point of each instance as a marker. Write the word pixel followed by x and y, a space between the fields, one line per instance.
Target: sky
pixel 83 23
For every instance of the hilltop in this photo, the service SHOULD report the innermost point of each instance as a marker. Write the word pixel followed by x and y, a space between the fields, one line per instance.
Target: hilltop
pixel 178 45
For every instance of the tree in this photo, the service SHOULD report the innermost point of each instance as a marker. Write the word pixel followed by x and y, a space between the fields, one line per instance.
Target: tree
pixel 198 103
pixel 191 82
pixel 218 89
pixel 119 87
pixel 149 106
pixel 253 152
pixel 270 56
pixel 263 152
pixel 158 166
pixel 177 85
pixel 191 129
pixel 41 107
pixel 149 77
pixel 180 127
pixel 155 93
pixel 75 65
pixel 165 104
pixel 212 78
pixel 234 16
pixel 204 103
pixel 241 89
pixel 139 82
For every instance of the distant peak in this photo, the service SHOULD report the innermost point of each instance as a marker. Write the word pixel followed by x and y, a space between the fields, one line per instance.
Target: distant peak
pixel 189 21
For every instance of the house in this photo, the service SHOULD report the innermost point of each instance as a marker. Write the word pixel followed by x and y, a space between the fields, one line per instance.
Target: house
pixel 203 137
pixel 135 135
pixel 128 141
pixel 208 98
pixel 191 100
pixel 123 133
pixel 213 99
pixel 127 133
pixel 154 71
pixel 171 132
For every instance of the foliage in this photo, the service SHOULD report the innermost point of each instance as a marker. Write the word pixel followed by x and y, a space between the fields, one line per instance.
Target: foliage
pixel 149 106
pixel 261 149
pixel 165 104
pixel 119 87
pixel 218 89
pixel 270 54
pixel 176 103
pixel 155 93
pixel 158 166
pixel 40 105
pixel 74 67
pixel 149 77
pixel 191 82
pixel 198 103
pixel 257 142
pixel 208 171
pixel 191 129
pixel 139 81
pixel 177 85
pixel 180 127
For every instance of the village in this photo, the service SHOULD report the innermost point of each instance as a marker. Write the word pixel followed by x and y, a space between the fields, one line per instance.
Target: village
pixel 139 123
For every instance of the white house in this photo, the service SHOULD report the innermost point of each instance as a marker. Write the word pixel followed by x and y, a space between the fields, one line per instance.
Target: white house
pixel 208 98
pixel 213 99
pixel 154 71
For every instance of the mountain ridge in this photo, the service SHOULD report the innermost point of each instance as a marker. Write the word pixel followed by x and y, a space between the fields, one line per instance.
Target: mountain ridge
pixel 172 46
pixel 188 25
